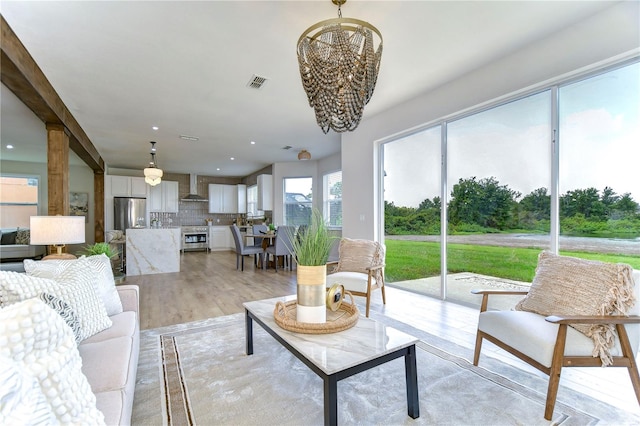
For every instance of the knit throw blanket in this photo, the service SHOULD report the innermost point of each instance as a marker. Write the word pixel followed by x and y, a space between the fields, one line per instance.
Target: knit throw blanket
pixel 570 286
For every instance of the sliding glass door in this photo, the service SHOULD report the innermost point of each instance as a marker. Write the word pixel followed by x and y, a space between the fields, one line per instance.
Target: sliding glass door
pixel 412 192
pixel 552 170
pixel 498 175
pixel 599 165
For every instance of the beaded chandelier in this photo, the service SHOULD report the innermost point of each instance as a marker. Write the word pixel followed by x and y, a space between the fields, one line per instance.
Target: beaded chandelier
pixel 339 68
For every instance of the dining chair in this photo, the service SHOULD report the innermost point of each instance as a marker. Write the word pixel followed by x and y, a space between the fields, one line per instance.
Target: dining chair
pixel 242 250
pixel 257 230
pixel 281 247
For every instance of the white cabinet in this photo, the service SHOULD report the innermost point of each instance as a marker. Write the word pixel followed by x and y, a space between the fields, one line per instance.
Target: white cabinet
pixel 242 198
pixel 265 192
pixel 164 197
pixel 223 198
pixel 126 186
pixel 219 237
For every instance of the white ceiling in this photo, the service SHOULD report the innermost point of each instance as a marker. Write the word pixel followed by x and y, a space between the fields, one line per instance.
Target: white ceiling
pixel 123 67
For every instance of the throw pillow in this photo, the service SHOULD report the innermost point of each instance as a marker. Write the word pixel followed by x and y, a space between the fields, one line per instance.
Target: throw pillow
pixel 64 310
pixel 105 284
pixel 357 255
pixel 42 345
pixel 566 285
pixel 73 285
pixel 103 281
pixel 23 236
pixel 22 400
pixel 8 238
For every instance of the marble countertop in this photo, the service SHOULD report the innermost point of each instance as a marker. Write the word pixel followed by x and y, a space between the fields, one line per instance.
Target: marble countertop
pixel 334 352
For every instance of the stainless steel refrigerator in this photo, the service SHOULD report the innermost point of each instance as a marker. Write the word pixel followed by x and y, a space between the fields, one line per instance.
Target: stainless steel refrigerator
pixel 129 213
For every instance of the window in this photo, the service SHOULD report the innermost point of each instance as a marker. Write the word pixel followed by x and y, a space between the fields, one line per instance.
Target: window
pixel 18 200
pixel 298 199
pixel 332 200
pixel 252 202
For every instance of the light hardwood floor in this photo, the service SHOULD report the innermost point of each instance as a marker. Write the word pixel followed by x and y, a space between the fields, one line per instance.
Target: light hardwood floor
pixel 209 285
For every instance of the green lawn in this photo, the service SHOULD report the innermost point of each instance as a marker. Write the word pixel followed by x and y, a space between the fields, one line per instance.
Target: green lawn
pixel 409 260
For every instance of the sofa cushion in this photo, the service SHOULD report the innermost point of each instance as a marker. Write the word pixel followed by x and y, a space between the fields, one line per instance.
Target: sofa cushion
pixel 41 343
pixel 124 325
pixel 106 363
pixel 73 285
pixel 8 238
pixel 21 399
pixel 103 281
pixel 566 285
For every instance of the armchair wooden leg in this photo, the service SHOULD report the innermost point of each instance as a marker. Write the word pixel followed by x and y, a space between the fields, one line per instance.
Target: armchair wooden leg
pixel 384 296
pixel 554 373
pixel 368 303
pixel 476 352
pixel 628 353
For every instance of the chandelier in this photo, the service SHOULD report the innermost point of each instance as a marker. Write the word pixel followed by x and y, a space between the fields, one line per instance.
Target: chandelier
pixel 339 68
pixel 152 174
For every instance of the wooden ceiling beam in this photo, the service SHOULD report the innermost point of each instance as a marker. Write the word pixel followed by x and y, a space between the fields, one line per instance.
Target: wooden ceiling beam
pixel 21 74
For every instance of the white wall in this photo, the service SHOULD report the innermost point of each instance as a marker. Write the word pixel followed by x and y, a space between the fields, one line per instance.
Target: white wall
pixel 603 38
pixel 80 180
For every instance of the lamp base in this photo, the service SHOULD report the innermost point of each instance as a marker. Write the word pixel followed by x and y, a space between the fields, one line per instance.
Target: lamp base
pixel 58 256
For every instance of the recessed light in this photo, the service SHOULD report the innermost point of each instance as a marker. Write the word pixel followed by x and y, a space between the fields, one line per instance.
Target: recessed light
pixel 218 168
pixel 253 142
pixel 9 146
pixel 155 127
pixel 232 158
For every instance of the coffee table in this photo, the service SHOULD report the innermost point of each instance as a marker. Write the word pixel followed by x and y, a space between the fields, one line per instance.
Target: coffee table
pixel 336 356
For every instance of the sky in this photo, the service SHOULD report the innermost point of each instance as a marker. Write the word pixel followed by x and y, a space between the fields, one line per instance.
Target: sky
pixel 599 137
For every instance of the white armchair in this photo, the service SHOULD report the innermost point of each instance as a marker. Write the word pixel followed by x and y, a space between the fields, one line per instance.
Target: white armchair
pixel 550 342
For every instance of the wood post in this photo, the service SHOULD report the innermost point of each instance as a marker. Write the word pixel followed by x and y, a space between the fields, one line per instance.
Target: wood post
pixel 98 205
pixel 58 169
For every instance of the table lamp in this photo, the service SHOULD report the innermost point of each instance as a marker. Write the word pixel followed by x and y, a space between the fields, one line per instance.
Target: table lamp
pixel 57 231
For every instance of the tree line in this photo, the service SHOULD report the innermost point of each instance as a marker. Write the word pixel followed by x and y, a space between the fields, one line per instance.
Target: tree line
pixel 484 205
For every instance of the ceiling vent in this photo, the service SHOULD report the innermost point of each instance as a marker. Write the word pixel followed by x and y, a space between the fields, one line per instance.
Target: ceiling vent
pixel 287 147
pixel 257 82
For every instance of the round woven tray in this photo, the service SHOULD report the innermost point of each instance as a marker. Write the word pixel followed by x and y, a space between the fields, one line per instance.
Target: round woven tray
pixel 345 317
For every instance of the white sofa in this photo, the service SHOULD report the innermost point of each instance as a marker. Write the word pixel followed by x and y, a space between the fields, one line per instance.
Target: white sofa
pixel 103 318
pixel 19 251
pixel 110 360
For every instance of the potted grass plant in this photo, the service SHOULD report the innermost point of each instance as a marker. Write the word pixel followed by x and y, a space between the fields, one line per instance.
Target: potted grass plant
pixel 108 250
pixel 311 247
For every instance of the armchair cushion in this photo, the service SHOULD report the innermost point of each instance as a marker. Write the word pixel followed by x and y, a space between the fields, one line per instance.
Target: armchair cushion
pixel 357 255
pixel 570 286
pixel 352 281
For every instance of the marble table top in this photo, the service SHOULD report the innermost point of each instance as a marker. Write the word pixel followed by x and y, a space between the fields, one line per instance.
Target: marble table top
pixel 334 352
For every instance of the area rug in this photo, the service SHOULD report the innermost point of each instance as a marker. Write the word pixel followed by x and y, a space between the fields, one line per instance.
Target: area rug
pixel 198 374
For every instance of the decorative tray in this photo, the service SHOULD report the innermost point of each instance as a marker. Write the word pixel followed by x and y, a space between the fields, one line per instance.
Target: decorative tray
pixel 346 316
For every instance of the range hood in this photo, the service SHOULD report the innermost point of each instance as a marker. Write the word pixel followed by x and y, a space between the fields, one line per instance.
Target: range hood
pixel 193 190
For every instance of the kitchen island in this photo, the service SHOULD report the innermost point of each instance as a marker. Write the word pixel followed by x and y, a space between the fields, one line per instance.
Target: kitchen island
pixel 153 251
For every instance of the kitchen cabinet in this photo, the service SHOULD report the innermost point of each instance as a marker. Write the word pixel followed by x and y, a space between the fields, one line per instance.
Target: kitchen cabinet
pixel 164 197
pixel 265 192
pixel 242 198
pixel 223 198
pixel 127 186
pixel 219 238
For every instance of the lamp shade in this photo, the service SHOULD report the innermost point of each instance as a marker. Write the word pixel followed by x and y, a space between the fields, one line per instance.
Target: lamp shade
pixel 56 230
pixel 304 155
